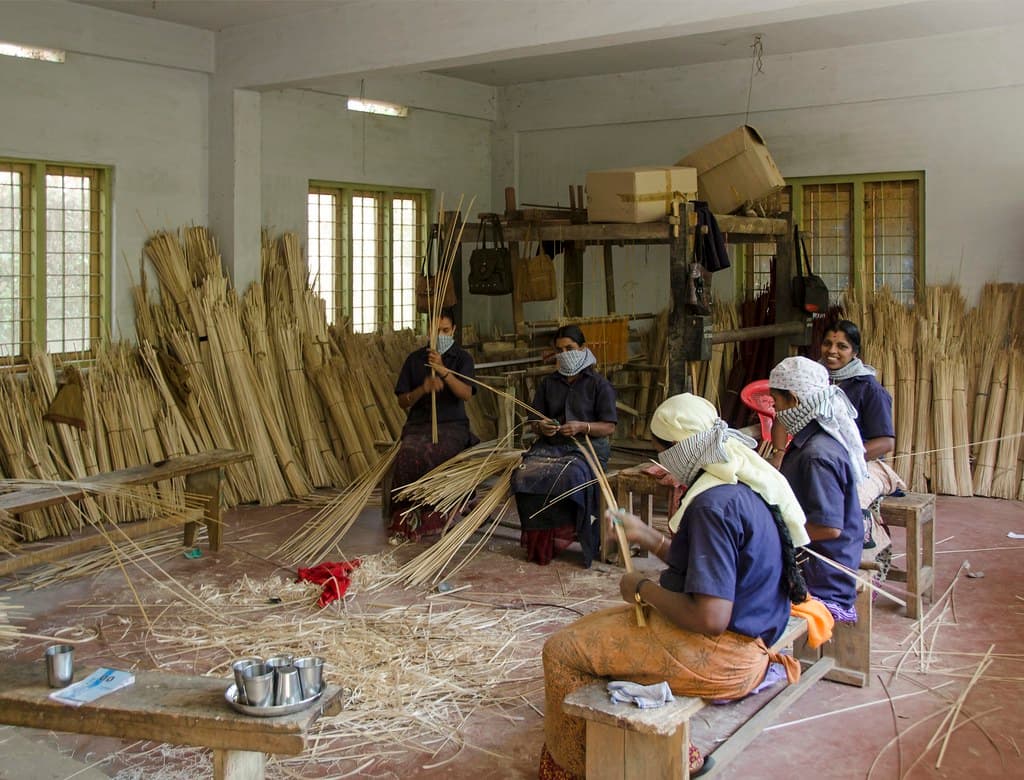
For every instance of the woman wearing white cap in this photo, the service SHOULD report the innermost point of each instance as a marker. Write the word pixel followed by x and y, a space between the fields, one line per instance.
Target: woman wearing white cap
pixel 719 605
pixel 824 463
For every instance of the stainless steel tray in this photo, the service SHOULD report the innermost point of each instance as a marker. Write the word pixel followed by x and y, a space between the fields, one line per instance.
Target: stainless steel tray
pixel 231 694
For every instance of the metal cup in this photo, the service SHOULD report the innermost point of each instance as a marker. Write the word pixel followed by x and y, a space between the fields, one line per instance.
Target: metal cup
pixel 311 674
pixel 238 667
pixel 286 686
pixel 285 659
pixel 258 685
pixel 60 665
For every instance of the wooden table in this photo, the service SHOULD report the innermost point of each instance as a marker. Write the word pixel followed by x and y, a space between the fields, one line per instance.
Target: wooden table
pixel 163 707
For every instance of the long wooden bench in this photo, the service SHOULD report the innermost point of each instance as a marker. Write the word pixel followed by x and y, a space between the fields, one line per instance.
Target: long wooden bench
pixel 164 707
pixel 625 742
pixel 202 471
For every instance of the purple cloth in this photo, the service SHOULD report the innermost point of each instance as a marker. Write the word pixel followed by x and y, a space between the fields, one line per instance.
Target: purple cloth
pixel 728 546
pixel 841 614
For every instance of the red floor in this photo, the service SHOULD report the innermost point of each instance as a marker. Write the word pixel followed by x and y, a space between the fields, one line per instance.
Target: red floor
pixel 835 731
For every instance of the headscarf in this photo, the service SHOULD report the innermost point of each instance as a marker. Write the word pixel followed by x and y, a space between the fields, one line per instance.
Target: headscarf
pixel 855 367
pixel 575 360
pixel 725 456
pixel 818 400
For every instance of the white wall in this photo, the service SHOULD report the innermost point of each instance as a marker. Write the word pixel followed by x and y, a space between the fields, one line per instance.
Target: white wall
pixel 310 135
pixel 952 106
pixel 147 121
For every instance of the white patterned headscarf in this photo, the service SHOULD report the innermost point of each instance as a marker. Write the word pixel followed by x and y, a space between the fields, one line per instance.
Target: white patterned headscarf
pixel 571 362
pixel 705 442
pixel 821 401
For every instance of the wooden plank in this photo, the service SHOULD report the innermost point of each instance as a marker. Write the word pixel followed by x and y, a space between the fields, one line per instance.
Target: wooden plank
pixel 651 232
pixel 163 707
pixel 239 765
pixel 572 280
pixel 606 752
pixel 592 703
pixel 679 315
pixel 55 550
pixel 609 279
pixel 650 756
pixel 18 501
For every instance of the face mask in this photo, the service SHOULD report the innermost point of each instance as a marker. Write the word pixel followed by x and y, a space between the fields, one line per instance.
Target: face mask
pixel 571 363
pixel 444 342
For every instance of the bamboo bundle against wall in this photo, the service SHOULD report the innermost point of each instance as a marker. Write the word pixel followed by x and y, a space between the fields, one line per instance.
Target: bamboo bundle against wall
pixel 944 476
pixel 984 467
pixel 961 431
pixel 323 370
pixel 1005 482
pixel 923 467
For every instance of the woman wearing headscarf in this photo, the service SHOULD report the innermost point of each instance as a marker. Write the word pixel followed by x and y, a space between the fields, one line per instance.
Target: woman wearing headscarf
pixel 428 372
pixel 556 497
pixel 722 601
pixel 824 463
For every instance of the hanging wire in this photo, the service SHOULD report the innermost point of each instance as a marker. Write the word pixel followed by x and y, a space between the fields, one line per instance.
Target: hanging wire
pixel 756 66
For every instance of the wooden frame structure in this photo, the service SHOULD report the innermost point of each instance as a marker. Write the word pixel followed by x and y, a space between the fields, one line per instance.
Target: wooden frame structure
pixel 687 331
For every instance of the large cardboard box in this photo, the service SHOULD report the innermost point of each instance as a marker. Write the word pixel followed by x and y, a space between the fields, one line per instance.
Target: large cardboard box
pixel 734 170
pixel 642 194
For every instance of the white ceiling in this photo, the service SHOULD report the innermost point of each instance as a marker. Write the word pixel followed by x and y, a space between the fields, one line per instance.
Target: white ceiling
pixel 912 19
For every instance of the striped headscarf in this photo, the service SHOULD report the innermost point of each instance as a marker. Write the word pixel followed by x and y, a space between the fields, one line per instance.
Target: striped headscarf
pixel 705 442
pixel 821 401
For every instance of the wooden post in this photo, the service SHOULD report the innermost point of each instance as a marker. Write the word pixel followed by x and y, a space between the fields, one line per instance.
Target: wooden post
pixel 785 268
pixel 678 323
pixel 609 279
pixel 206 483
pixel 572 280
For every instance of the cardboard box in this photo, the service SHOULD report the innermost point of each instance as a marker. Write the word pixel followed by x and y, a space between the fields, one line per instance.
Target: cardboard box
pixel 642 194
pixel 734 170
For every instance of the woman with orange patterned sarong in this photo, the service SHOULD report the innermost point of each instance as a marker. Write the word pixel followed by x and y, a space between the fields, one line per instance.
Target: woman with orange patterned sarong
pixel 723 600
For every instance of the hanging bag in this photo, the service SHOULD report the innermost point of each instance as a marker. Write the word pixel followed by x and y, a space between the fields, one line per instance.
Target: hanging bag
pixel 490 265
pixel 810 293
pixel 426 279
pixel 535 276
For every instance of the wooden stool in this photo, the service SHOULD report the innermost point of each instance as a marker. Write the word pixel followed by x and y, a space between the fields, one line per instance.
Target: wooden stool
pixel 916 513
pixel 630 483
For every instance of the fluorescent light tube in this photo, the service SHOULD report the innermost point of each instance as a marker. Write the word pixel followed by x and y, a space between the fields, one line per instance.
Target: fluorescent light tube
pixel 377 107
pixel 31 52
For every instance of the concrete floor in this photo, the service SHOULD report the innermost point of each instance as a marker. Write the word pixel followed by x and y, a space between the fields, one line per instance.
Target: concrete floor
pixel 834 731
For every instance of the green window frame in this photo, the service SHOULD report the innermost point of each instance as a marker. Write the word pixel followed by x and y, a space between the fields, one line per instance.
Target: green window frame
pixel 864 231
pixel 55 270
pixel 364 244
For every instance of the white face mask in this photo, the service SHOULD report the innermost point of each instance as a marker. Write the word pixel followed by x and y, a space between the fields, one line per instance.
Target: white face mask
pixel 444 342
pixel 571 363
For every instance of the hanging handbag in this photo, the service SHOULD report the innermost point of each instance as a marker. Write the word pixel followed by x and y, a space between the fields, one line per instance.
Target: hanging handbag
pixel 535 276
pixel 490 265
pixel 698 278
pixel 426 279
pixel 810 293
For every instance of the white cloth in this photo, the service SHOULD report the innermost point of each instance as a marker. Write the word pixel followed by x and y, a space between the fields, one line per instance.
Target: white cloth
pixel 575 360
pixel 686 458
pixel 643 696
pixel 684 415
pixel 855 367
pixel 821 401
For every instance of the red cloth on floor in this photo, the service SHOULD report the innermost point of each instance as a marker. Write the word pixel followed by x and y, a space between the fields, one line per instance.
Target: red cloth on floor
pixel 333 575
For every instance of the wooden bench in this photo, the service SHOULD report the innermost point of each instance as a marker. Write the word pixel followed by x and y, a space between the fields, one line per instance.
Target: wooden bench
pixel 914 512
pixel 202 472
pixel 625 742
pixel 163 707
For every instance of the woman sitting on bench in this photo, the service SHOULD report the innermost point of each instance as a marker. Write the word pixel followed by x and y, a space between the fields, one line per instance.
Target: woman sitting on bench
pixel 718 607
pixel 824 463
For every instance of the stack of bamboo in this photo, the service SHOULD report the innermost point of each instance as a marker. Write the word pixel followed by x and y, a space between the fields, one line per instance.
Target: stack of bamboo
pixel 957 381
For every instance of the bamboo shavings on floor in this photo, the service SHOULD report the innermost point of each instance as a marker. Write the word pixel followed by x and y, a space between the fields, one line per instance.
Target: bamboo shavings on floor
pixel 413 674
pixel 9 633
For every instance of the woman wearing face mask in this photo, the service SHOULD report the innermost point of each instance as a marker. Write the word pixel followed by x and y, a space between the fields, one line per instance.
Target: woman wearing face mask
pixel 824 464
pixel 722 601
pixel 428 372
pixel 575 402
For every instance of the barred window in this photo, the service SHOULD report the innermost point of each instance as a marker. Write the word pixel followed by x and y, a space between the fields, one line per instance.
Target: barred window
pixel 363 246
pixel 54 270
pixel 861 231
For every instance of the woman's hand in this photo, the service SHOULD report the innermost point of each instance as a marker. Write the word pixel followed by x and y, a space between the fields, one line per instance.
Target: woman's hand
pixel 635 528
pixel 628 585
pixel 574 428
pixel 546 427
pixel 433 384
pixel 434 361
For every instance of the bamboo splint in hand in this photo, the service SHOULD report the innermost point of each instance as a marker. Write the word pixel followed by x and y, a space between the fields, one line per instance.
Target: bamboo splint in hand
pixel 590 455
